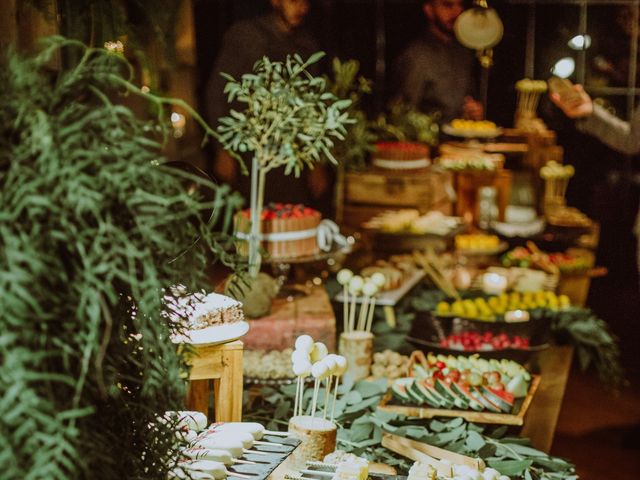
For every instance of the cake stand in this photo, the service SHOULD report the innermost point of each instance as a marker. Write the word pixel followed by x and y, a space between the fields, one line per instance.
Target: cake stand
pixel 281 266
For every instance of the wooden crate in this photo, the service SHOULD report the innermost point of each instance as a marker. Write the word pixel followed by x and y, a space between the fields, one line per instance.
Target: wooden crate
pixel 469 183
pixel 221 364
pixel 372 192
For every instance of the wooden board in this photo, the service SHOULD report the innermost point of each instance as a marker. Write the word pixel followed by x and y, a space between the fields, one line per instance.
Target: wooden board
pixel 540 424
pixel 516 419
pixel 417 450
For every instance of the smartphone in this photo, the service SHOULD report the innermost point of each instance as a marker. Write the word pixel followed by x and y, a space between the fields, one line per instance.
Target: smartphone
pixel 563 87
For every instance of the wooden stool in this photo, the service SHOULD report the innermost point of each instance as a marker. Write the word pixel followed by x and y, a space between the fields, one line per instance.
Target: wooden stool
pixel 222 364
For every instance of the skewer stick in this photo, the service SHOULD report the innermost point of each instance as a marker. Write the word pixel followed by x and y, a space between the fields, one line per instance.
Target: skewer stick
pixel 362 318
pixel 352 314
pixel 319 473
pixel 295 403
pixel 316 387
pixel 345 309
pixel 335 396
pixel 371 311
pixel 327 396
pixel 244 462
pixel 231 473
pixel 276 433
pixel 254 452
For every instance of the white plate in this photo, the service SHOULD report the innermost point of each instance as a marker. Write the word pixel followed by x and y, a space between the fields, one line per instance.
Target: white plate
pixel 458 132
pixel 214 335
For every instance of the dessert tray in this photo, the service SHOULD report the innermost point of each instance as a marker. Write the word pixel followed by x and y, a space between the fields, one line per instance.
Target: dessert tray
pixel 470 132
pixel 470 252
pixel 391 297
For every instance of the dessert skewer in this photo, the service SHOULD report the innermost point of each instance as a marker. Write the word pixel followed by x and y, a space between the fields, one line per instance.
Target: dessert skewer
pixel 355 286
pixel 344 277
pixel 341 368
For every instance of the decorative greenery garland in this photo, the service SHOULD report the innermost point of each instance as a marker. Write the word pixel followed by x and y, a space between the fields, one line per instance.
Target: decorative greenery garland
pixel 361 426
pixel 92 229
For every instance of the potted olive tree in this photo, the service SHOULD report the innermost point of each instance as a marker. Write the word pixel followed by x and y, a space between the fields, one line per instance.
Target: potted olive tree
pixel 289 119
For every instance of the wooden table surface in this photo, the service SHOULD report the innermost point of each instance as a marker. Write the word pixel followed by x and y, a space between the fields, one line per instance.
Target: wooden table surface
pixel 540 421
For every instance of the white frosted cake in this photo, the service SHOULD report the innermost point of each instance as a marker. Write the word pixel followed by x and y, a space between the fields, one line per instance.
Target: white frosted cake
pixel 214 310
pixel 210 318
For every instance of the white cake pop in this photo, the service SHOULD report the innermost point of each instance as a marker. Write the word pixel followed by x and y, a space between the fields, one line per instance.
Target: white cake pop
pixel 378 279
pixel 319 351
pixel 319 370
pixel 304 343
pixel 298 356
pixel 355 284
pixel 344 276
pixel 302 369
pixel 330 362
pixel 341 365
pixel 370 289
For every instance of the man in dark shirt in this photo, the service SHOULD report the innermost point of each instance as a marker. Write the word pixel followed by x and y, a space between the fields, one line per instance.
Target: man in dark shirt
pixel 435 72
pixel 275 35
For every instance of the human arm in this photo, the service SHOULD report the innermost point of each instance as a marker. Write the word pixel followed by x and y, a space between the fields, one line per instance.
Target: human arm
pixel 598 122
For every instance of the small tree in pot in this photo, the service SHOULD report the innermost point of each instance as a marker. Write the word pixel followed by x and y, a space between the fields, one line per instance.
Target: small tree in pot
pixel 290 120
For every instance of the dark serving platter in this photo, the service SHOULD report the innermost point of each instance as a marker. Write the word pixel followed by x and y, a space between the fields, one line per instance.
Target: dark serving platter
pixel 428 330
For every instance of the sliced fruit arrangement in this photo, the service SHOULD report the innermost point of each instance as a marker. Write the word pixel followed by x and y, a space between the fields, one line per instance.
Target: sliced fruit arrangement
pixel 493 308
pixel 483 341
pixel 464 383
pixel 531 256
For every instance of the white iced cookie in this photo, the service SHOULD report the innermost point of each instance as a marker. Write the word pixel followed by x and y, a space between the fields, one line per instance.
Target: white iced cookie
pixel 221 456
pixel 319 351
pixel 254 428
pixel 378 279
pixel 216 469
pixel 189 420
pixel 304 343
pixel 344 276
pixel 234 447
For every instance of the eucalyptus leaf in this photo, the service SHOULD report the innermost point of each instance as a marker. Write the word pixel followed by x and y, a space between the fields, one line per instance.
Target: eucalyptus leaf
pixel 510 468
pixel 475 441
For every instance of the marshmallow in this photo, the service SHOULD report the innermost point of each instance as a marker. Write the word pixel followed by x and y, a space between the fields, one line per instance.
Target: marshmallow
pixel 370 289
pixel 378 279
pixel 341 365
pixel 319 370
pixel 302 368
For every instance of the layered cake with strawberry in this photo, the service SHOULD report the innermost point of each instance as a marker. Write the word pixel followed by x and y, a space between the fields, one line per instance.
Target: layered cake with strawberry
pixel 287 230
pixel 400 156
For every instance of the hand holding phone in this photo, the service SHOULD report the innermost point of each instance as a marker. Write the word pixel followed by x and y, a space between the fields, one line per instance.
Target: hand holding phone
pixel 570 98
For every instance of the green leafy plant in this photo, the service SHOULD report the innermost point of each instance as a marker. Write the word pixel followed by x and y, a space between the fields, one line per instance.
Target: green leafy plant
pixel 361 425
pixel 93 230
pixel 290 120
pixel 405 123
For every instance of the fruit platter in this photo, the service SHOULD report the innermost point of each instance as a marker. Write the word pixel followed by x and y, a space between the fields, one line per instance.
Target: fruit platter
pixel 566 263
pixel 477 389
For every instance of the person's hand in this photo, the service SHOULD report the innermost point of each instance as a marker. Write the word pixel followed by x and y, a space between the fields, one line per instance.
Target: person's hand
pixel 472 109
pixel 575 103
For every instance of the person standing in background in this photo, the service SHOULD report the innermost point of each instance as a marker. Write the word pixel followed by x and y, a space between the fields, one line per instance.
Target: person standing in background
pixel 435 73
pixel 275 35
pixel 594 120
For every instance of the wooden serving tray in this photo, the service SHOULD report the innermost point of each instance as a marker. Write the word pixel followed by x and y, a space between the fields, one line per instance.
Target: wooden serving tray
pixel 516 419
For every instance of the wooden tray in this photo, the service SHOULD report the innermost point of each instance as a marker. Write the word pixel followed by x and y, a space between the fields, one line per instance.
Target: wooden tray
pixel 516 419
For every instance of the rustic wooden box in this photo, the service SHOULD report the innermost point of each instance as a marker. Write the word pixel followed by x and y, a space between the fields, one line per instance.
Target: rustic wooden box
pixel 372 192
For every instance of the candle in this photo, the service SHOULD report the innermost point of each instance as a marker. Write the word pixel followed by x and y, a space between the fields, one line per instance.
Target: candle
pixel 514 316
pixel 494 283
